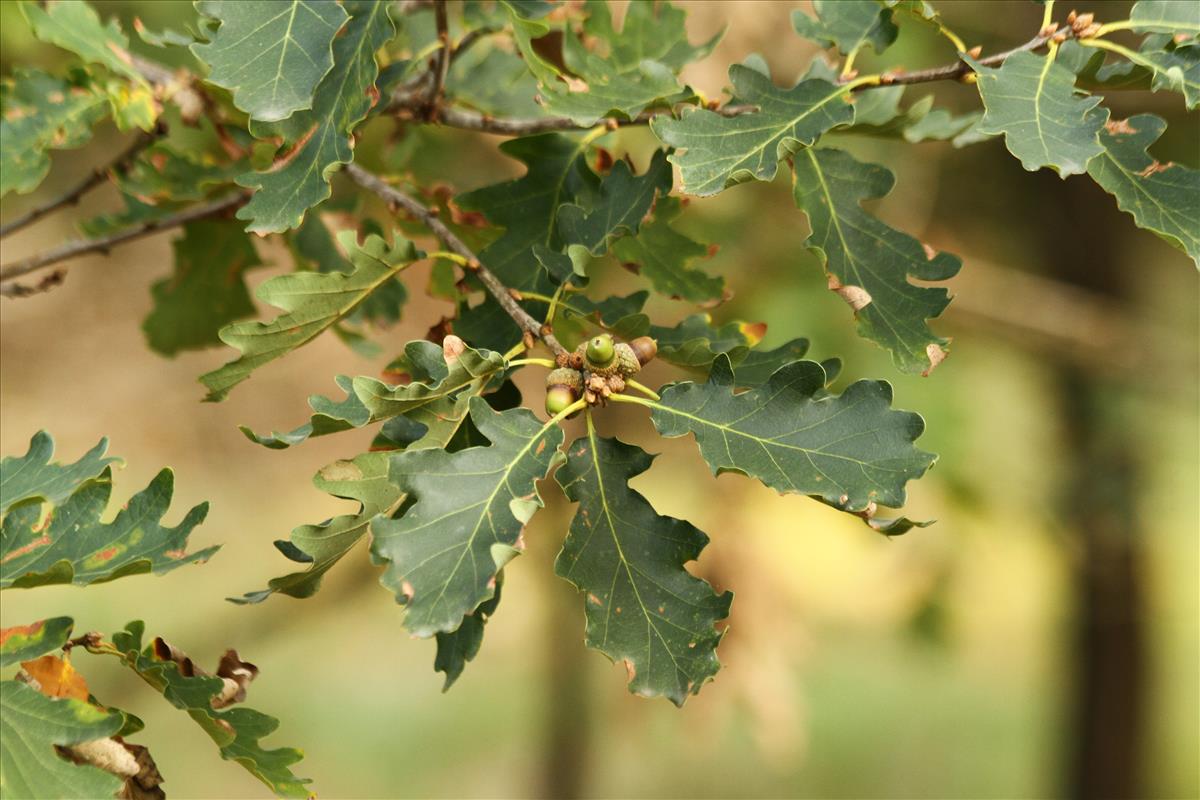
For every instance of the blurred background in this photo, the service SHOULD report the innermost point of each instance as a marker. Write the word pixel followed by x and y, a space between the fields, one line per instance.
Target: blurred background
pixel 1041 640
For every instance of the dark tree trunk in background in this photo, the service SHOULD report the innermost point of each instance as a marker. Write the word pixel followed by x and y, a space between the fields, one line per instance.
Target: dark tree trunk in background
pixel 1108 659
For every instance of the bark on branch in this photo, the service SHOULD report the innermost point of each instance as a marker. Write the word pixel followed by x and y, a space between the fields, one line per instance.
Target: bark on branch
pixel 397 199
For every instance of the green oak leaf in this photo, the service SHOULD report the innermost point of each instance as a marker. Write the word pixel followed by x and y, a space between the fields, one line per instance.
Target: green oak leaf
pixel 622 201
pixel 73 25
pixel 757 366
pixel 613 94
pixel 620 315
pixel 365 478
pixel 31 726
pixel 427 399
pixel 321 138
pixel 1032 101
pixel 650 31
pixel 206 290
pixel 695 342
pixel 270 54
pixel 715 152
pixel 643 608
pixel 527 208
pixel 1176 70
pixel 662 255
pixel 34 477
pixel 940 125
pixel 313 301
pixel 494 81
pixel 456 648
pixel 465 523
pixel 72 545
pixel 237 730
pixel 869 262
pixel 1160 197
pixel 850 450
pixel 39 112
pixel 27 642
pixel 1165 16
pixel 847 25
pixel 525 29
pixel 166 173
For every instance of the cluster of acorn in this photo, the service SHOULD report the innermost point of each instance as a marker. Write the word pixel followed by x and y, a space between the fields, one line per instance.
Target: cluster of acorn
pixel 596 369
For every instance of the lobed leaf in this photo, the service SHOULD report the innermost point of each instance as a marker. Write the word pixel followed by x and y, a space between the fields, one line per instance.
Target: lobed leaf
pixel 321 138
pixel 715 152
pixel 429 398
pixel 39 112
pixel 32 726
pixel 662 255
pixel 72 545
pixel 643 608
pixel 1032 101
pixel 313 301
pixel 847 25
pixel 1160 197
pixel 868 262
pixel 74 26
pixel 468 511
pixel 270 54
pixel 206 290
pixel 850 450
pixel 34 477
pixel 236 731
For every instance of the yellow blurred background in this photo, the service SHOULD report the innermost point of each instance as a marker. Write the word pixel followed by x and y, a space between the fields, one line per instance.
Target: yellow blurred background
pixel 958 661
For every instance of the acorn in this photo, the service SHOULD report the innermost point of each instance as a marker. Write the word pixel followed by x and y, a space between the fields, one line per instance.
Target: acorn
pixel 645 348
pixel 599 352
pixel 563 386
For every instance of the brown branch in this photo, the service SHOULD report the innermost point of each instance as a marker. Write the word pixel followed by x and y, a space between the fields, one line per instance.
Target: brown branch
pixel 47 283
pixel 956 70
pixel 118 164
pixel 101 245
pixel 397 199
pixel 441 67
pixel 485 123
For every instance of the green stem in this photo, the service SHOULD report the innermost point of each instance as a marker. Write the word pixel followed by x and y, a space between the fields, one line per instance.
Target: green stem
pixel 625 398
pixel 519 347
pixel 1047 14
pixel 848 66
pixel 541 362
pixel 632 384
pixel 566 412
pixel 448 256
pixel 1115 48
pixel 1107 28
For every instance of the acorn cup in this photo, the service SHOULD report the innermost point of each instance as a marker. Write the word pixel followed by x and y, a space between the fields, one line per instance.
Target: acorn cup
pixel 563 387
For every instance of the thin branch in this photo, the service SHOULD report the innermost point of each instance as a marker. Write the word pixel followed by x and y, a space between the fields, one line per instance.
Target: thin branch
pixel 118 164
pixel 442 66
pixel 101 245
pixel 485 123
pixel 47 283
pixel 398 199
pixel 958 69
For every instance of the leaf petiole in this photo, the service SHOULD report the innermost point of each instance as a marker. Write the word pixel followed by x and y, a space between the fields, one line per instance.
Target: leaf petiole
pixel 632 384
pixel 541 362
pixel 448 256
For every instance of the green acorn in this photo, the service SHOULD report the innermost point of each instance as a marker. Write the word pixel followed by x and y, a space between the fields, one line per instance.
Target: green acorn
pixel 563 387
pixel 599 352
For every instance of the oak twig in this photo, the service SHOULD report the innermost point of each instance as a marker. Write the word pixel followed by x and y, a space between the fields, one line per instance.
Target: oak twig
pixel 441 66
pixel 398 199
pixel 118 164
pixel 957 69
pixel 101 245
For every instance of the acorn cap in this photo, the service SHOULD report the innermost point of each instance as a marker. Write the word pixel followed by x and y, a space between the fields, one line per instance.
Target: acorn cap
pixel 565 376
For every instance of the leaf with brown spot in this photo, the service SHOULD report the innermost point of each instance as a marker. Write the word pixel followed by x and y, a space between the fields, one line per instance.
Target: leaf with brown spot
pixel 64 541
pixel 868 262
pixel 622 555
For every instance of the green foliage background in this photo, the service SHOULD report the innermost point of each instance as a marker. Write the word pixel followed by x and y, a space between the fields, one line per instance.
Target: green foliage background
pixel 937 665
